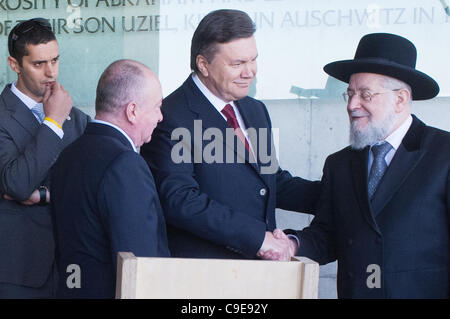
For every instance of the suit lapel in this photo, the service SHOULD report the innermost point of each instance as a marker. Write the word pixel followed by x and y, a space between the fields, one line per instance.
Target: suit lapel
pixel 19 111
pixel 252 123
pixel 405 160
pixel 359 175
pixel 210 118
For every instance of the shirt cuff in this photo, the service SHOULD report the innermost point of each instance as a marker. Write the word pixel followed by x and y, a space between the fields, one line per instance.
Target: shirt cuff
pixel 290 236
pixel 54 128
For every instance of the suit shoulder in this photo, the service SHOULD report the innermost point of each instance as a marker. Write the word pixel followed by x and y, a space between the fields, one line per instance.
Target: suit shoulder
pixel 128 163
pixel 437 141
pixel 255 108
pixel 342 153
pixel 252 102
pixel 439 134
pixel 176 99
pixel 76 122
pixel 79 115
pixel 342 156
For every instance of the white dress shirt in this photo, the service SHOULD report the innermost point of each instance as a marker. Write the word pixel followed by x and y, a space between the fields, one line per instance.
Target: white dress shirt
pixel 117 128
pixel 395 139
pixel 30 103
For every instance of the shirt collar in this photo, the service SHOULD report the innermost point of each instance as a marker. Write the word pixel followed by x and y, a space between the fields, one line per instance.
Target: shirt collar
pixel 28 101
pixel 117 128
pixel 396 137
pixel 217 102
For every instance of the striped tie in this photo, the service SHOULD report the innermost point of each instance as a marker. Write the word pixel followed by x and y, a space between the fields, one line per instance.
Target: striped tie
pixel 38 112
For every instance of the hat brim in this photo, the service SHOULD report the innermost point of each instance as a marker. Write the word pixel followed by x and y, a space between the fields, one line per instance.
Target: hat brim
pixel 423 86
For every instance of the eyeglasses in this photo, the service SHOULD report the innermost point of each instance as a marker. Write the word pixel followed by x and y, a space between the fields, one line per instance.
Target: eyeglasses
pixel 365 95
pixel 25 27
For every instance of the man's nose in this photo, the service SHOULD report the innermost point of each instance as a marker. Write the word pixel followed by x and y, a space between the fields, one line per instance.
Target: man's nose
pixel 353 103
pixel 51 70
pixel 249 70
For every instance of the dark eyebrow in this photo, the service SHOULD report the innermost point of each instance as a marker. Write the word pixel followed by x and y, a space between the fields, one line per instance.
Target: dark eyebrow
pixel 44 61
pixel 243 61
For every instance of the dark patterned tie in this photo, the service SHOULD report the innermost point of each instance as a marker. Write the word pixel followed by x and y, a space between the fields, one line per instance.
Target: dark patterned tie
pixel 379 166
pixel 232 121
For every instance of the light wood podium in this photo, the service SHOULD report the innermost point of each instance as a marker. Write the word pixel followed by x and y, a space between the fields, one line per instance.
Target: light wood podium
pixel 185 278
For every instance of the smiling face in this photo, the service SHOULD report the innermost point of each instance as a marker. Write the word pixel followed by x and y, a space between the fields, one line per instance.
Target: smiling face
pixel 370 121
pixel 232 70
pixel 38 69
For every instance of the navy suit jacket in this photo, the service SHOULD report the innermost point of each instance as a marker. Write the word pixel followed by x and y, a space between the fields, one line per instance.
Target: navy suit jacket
pixel 218 209
pixel 27 152
pixel 104 201
pixel 404 229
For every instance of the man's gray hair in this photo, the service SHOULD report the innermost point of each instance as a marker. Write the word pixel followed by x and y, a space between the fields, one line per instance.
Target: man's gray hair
pixel 121 82
pixel 391 83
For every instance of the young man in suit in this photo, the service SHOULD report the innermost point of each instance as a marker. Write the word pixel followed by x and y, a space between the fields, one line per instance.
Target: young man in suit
pixel 37 121
pixel 104 196
pixel 385 208
pixel 219 199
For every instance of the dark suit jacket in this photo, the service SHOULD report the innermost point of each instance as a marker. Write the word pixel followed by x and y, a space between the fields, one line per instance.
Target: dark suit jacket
pixel 104 201
pixel 27 152
pixel 404 230
pixel 218 210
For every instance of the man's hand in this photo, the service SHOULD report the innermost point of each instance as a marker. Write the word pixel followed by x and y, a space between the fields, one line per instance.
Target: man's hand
pixel 293 247
pixel 34 199
pixel 277 246
pixel 57 103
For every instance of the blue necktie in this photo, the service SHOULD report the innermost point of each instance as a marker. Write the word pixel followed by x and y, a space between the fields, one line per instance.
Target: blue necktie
pixel 379 166
pixel 38 111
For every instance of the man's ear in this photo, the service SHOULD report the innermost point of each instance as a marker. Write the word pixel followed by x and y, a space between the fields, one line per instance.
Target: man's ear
pixel 402 100
pixel 14 64
pixel 131 112
pixel 202 65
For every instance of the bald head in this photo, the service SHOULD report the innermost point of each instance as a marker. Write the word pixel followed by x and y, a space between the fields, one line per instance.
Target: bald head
pixel 122 82
pixel 129 96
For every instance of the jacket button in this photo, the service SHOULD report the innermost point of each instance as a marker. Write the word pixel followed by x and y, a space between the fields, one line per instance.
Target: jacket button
pixel 262 192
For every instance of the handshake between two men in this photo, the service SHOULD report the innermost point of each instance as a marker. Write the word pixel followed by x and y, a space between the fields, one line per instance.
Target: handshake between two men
pixel 278 246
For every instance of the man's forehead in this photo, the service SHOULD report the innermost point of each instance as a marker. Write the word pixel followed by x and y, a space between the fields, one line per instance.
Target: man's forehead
pixel 363 81
pixel 42 51
pixel 239 47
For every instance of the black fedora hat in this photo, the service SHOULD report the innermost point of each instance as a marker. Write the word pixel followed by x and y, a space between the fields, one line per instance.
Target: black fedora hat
pixel 386 54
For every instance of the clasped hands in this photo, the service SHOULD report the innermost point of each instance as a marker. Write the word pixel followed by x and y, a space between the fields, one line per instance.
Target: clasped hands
pixel 277 246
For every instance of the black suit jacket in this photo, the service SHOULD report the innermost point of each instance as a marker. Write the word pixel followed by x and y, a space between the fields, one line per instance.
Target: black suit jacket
pixel 404 230
pixel 220 209
pixel 27 152
pixel 104 201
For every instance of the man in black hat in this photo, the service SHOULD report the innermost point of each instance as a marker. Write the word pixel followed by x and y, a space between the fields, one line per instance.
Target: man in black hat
pixel 384 213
